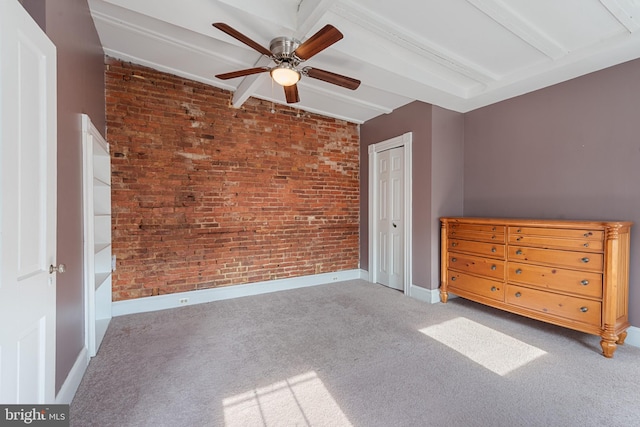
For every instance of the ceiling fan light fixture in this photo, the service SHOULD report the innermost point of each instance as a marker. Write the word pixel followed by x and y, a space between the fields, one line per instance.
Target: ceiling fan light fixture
pixel 285 75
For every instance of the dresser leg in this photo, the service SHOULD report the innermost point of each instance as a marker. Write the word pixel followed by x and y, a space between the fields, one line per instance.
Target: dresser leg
pixel 621 337
pixel 444 297
pixel 608 347
pixel 608 341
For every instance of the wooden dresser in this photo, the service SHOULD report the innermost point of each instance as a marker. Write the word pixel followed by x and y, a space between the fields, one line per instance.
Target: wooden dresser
pixel 570 273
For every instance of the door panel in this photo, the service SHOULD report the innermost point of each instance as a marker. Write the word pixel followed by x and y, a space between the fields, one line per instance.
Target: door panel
pixel 390 224
pixel 32 149
pixel 27 208
pixel 396 278
pixel 383 225
pixel 30 381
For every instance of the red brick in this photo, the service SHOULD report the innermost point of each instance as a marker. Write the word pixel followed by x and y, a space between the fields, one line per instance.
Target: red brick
pixel 205 195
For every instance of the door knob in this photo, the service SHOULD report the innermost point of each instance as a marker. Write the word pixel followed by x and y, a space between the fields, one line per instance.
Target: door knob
pixel 59 269
pixel 394 225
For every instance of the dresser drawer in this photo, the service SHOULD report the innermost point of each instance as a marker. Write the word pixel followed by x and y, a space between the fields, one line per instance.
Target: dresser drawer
pixel 557 243
pixel 481 232
pixel 573 274
pixel 579 260
pixel 491 268
pixel 477 285
pixel 563 233
pixel 477 248
pixel 582 283
pixel 573 308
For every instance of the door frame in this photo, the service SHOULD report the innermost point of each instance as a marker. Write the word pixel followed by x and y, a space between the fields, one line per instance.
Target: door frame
pixel 404 140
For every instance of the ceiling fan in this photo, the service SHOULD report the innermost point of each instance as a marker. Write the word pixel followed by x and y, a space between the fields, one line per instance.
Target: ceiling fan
pixel 288 53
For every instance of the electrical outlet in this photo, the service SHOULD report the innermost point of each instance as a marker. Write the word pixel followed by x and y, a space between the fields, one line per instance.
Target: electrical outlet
pixel 183 300
pixel 113 262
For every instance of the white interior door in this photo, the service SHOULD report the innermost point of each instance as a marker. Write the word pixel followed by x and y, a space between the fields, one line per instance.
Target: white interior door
pixel 390 218
pixel 27 209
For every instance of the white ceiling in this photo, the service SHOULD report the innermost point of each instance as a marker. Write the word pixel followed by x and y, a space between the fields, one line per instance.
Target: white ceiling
pixel 458 54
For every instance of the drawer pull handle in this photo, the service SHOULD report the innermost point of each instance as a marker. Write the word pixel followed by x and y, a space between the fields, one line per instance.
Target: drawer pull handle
pixel 518 252
pixel 519 271
pixel 493 237
pixel 454 259
pixel 588 234
pixel 454 244
pixel 585 260
pixel 453 279
pixel 493 229
pixel 586 245
pixel 584 282
pixel 493 249
pixel 493 267
pixel 518 294
pixel 518 239
pixel 518 231
pixel 493 289
pixel 584 309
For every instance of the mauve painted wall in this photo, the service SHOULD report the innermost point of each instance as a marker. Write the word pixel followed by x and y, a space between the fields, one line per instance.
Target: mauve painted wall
pixel 416 118
pixel 447 182
pixel 80 71
pixel 568 151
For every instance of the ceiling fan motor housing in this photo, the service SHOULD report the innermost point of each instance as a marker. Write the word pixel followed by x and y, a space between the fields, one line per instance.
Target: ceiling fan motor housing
pixel 282 49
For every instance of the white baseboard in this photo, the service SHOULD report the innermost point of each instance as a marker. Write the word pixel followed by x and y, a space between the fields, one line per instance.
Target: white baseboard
pixel 633 336
pixel 71 384
pixel 431 296
pixel 162 302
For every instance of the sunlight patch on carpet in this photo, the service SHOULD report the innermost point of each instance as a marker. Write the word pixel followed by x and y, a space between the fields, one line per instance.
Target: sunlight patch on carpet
pixel 494 350
pixel 302 400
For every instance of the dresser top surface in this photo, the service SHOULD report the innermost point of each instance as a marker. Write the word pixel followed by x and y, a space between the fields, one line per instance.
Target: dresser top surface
pixel 556 223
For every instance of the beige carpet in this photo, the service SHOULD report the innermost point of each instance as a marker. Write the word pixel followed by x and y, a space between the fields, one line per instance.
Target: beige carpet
pixel 352 353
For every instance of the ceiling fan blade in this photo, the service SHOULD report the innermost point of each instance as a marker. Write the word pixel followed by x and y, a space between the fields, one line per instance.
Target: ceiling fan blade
pixel 241 37
pixel 333 78
pixel 291 93
pixel 242 73
pixel 318 42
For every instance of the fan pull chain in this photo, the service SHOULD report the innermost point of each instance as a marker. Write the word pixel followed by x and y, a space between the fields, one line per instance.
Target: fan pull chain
pixel 273 110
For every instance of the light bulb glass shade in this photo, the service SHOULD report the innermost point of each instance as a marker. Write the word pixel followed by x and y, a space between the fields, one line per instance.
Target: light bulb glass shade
pixel 285 75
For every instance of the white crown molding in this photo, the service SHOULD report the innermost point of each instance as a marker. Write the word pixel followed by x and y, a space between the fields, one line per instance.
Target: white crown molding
pixel 159 67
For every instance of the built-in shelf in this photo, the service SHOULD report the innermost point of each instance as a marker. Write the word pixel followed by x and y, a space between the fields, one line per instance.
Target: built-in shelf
pixel 99 182
pixel 97 237
pixel 101 278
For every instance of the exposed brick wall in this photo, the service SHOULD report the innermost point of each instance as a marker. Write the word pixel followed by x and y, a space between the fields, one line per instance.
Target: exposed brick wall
pixel 205 195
